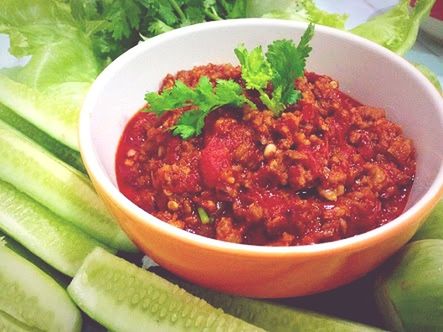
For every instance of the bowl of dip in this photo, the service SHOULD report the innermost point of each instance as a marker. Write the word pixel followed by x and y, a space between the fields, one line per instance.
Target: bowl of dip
pixel 288 206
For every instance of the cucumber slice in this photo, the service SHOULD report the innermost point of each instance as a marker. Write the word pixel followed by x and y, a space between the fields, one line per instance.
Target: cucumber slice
pixel 48 236
pixel 62 279
pixel 58 149
pixel 59 187
pixel 32 297
pixel 432 228
pixel 275 317
pixel 124 297
pixel 52 115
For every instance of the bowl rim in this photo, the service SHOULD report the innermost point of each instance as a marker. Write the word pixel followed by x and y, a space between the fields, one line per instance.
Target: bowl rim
pixel 361 241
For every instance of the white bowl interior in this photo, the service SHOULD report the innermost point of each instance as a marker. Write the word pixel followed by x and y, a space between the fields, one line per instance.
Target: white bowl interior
pixel 367 72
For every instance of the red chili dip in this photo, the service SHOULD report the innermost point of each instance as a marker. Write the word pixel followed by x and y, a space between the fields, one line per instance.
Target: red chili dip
pixel 327 169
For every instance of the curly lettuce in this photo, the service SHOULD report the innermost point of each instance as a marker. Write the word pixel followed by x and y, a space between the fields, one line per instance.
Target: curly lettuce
pixel 49 90
pixel 430 75
pixel 397 28
pixel 297 10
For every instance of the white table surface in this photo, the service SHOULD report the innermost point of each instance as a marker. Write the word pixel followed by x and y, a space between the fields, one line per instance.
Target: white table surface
pixel 425 51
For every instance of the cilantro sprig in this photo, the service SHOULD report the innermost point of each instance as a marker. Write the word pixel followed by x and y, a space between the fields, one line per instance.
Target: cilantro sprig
pixel 284 62
pixel 204 98
pixel 116 25
pixel 279 67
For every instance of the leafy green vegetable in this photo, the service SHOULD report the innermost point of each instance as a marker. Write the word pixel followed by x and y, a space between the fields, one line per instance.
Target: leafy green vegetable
pixel 430 75
pixel 203 98
pixel 256 70
pixel 284 62
pixel 115 26
pixel 298 10
pixel 112 25
pixel 177 13
pixel 49 90
pixel 396 29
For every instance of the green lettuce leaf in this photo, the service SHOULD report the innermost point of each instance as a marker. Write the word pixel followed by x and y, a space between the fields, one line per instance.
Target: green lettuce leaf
pixel 396 29
pixel 430 75
pixel 297 10
pixel 49 90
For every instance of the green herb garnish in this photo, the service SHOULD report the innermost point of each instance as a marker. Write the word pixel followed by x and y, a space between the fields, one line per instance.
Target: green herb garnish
pixel 283 63
pixel 205 219
pixel 204 98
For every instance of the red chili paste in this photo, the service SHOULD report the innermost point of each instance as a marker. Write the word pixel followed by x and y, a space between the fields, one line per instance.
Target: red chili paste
pixel 327 169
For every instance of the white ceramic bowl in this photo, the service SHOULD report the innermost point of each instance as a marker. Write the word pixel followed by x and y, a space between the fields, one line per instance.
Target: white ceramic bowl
pixel 366 71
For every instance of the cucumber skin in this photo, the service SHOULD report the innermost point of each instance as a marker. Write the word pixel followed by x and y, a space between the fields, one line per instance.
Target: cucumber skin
pixel 124 297
pixel 58 186
pixel 57 242
pixel 16 247
pixel 10 324
pixel 33 298
pixel 433 225
pixel 409 287
pixel 42 111
pixel 61 151
pixel 274 317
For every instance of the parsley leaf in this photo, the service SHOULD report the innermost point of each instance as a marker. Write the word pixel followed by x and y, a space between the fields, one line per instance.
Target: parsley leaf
pixel 284 62
pixel 204 98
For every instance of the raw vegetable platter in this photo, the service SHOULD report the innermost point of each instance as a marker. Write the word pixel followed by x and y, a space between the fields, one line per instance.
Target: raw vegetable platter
pixel 60 47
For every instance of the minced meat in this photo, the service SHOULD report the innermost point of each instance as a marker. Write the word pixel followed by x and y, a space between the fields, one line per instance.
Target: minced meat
pixel 327 169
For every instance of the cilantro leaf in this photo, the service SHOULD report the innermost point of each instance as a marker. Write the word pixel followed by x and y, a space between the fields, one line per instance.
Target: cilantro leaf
pixel 256 70
pixel 178 96
pixel 111 25
pixel 116 25
pixel 284 62
pixel 204 98
pixel 190 124
pixel 288 65
pixel 157 27
pixel 230 92
pixel 303 46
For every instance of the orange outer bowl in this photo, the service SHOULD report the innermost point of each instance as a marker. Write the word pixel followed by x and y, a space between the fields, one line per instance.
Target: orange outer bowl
pixel 256 271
